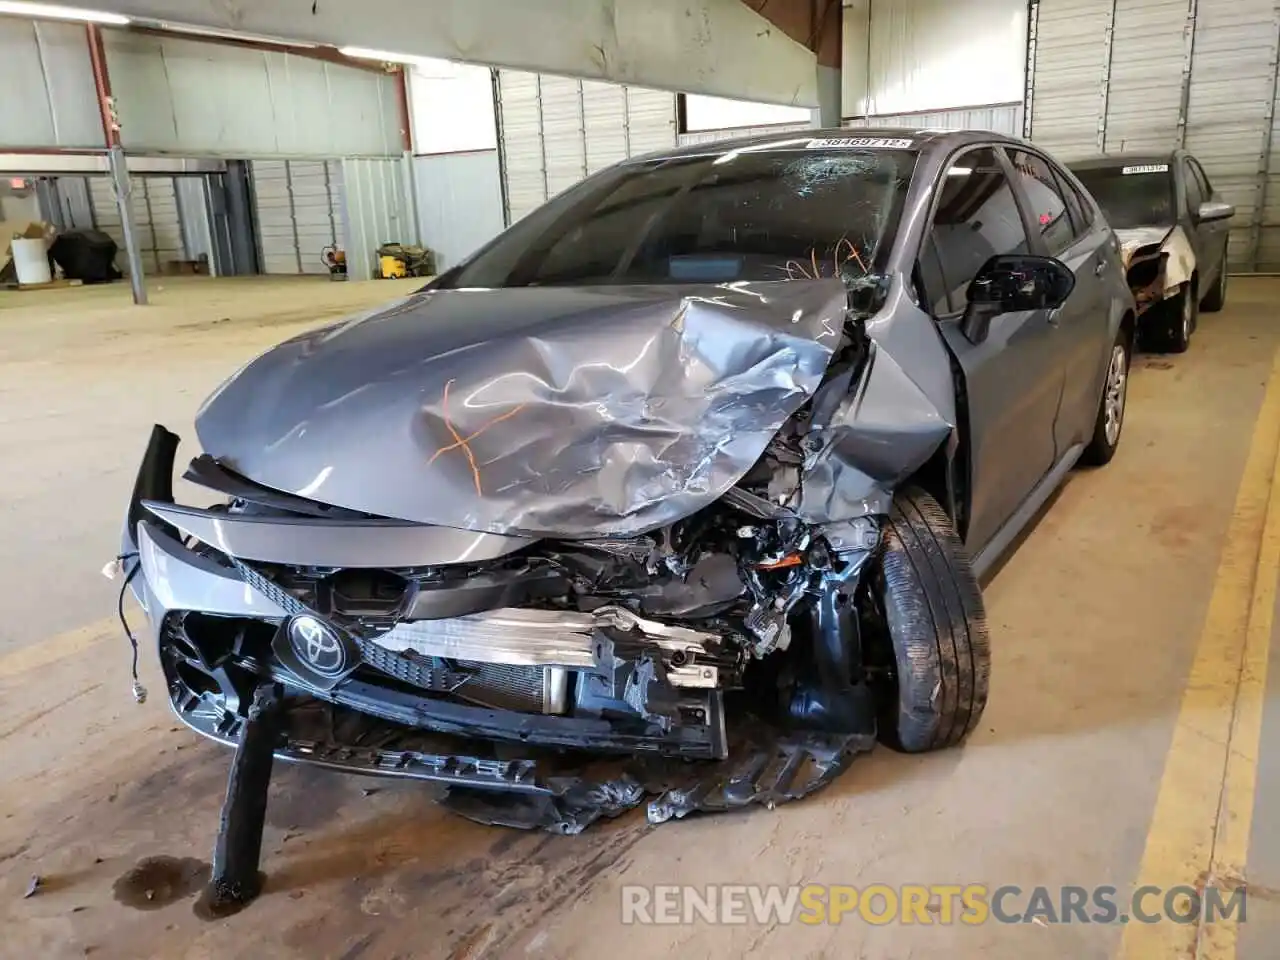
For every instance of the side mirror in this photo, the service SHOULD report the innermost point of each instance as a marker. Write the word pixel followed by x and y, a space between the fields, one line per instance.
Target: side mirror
pixel 1007 284
pixel 1214 210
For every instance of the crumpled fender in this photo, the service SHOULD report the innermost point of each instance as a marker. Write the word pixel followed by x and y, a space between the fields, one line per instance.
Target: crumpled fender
pixel 886 421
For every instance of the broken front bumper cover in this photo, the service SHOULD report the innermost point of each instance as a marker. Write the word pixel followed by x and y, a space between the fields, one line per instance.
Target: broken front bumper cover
pixel 498 766
pixel 550 790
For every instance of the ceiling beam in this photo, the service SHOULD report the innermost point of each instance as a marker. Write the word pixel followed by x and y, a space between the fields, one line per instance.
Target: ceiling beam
pixel 717 47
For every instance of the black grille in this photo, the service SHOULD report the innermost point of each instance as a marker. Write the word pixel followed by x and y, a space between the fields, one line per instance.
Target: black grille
pixel 429 673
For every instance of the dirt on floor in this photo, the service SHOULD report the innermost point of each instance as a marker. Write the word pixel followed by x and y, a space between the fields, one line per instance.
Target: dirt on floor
pixel 1093 622
pixel 83 376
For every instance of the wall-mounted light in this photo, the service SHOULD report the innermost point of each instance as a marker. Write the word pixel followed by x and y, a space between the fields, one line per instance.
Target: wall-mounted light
pixel 49 11
pixel 216 34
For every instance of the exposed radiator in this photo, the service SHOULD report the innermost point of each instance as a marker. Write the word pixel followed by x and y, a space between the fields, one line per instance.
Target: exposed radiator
pixel 498 685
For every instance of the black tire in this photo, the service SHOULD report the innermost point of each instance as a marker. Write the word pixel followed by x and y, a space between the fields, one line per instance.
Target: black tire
pixel 937 625
pixel 1104 442
pixel 1176 321
pixel 1216 298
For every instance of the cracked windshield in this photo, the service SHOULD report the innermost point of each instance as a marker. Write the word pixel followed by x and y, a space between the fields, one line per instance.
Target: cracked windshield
pixel 776 214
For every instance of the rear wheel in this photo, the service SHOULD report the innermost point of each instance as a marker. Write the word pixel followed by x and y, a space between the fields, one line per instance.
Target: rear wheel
pixel 937 625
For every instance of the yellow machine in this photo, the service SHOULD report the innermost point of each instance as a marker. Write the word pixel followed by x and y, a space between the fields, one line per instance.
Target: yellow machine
pixel 392 267
pixel 401 260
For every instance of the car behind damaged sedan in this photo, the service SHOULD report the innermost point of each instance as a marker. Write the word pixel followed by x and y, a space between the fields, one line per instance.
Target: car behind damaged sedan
pixel 1172 228
pixel 686 464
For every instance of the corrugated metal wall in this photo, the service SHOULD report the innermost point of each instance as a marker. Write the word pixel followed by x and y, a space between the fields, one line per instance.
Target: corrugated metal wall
pixel 192 196
pixel 1112 76
pixel 377 212
pixel 298 208
pixel 459 201
pixel 711 136
pixel 185 96
pixel 557 130
pixel 913 56
pixel 1002 118
pixel 220 100
pixel 47 81
pixel 75 203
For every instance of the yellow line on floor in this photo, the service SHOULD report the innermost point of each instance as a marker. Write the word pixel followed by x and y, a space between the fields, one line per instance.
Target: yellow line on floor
pixel 1235 811
pixel 1203 761
pixel 42 653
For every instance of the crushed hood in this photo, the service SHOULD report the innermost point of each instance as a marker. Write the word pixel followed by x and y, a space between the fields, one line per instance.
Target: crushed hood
pixel 577 411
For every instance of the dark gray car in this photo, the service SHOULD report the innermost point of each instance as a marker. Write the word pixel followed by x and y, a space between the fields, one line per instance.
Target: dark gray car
pixel 700 460
pixel 1172 227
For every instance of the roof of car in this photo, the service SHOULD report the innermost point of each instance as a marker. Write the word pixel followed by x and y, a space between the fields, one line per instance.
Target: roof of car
pixel 1122 159
pixel 922 139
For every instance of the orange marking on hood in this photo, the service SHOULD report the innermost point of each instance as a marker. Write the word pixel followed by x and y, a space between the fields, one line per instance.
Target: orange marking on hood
pixel 459 441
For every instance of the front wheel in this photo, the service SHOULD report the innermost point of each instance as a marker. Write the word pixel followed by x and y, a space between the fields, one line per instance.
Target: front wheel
pixel 1110 419
pixel 1216 298
pixel 936 623
pixel 1177 320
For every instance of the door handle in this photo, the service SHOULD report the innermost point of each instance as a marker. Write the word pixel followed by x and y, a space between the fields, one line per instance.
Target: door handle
pixel 1099 267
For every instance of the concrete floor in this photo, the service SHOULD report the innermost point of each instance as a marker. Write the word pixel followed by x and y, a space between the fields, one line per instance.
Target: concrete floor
pixel 1098 619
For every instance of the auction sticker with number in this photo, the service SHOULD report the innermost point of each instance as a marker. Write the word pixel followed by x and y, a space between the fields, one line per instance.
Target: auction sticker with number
pixel 855 143
pixel 1146 168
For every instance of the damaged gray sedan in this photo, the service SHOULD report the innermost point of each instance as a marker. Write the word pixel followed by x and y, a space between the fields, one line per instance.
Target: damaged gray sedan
pixel 698 462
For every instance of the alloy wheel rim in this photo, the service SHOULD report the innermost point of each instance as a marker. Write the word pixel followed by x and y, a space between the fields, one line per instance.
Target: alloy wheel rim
pixel 1117 384
pixel 1186 314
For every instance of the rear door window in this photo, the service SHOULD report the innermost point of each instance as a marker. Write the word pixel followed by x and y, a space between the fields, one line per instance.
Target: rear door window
pixel 1078 204
pixel 1048 208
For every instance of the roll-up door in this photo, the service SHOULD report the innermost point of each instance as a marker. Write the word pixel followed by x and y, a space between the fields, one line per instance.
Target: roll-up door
pixel 1117 76
pixel 298 208
pixel 155 219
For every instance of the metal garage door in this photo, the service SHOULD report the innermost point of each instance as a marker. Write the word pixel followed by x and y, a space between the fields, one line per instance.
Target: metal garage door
pixel 155 219
pixel 298 208
pixel 1132 75
pixel 557 130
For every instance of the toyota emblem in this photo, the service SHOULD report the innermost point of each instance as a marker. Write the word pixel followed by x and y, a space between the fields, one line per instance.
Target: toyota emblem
pixel 318 646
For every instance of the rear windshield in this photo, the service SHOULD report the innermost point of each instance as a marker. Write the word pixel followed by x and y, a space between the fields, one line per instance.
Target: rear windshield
pixel 1138 195
pixel 747 214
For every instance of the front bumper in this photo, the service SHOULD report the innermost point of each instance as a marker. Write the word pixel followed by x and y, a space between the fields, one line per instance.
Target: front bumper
pixel 193 572
pixel 497 766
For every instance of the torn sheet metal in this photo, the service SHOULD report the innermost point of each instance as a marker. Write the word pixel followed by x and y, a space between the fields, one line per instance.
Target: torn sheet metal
pixel 565 411
pixel 1142 243
pixel 876 436
pixel 1137 240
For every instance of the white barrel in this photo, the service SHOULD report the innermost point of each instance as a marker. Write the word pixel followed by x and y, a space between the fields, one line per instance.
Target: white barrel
pixel 31 261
